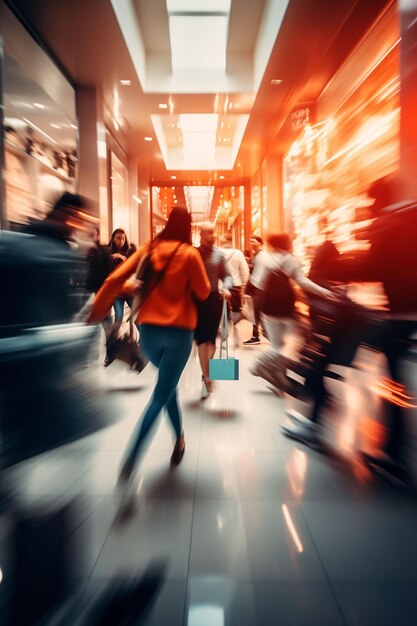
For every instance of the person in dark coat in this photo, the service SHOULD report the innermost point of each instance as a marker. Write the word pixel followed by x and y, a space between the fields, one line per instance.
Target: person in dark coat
pixel 120 250
pixel 392 259
pixel 100 263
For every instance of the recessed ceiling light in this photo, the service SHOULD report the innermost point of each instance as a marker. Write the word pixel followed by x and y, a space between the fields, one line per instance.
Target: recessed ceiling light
pixel 173 177
pixel 163 106
pixel 148 138
pixel 276 81
pixel 38 105
pixel 55 126
pixel 126 82
pixel 221 176
pixel 138 200
pixel 74 126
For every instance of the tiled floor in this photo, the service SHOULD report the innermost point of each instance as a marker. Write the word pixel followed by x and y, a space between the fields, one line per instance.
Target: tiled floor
pixel 253 528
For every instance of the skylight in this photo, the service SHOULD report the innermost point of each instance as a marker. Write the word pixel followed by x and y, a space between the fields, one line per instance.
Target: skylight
pixel 197 141
pixel 198 33
pixel 198 6
pixel 198 42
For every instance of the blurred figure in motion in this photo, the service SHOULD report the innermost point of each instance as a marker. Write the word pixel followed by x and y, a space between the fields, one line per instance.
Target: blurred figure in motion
pixel 240 274
pixel 41 271
pixel 276 301
pixel 120 250
pixel 43 354
pixel 167 319
pixel 100 264
pixel 324 268
pixel 210 310
pixel 124 601
pixel 392 260
pixel 259 260
pixel 47 398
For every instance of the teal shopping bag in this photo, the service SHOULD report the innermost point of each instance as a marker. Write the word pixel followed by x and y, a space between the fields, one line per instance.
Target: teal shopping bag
pixel 224 368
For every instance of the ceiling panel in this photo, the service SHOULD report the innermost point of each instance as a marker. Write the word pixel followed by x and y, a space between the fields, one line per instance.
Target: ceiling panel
pixel 314 39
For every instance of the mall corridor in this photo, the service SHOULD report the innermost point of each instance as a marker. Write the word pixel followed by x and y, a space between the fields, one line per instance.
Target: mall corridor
pixel 257 152
pixel 253 529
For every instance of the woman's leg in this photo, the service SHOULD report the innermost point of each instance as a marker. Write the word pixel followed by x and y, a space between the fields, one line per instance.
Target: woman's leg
pixel 118 306
pixel 270 364
pixel 168 349
pixel 275 328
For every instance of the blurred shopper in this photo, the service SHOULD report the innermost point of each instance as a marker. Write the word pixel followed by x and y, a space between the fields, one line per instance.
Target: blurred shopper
pixel 248 258
pixel 240 274
pixel 210 311
pixel 259 260
pixel 100 262
pixel 392 259
pixel 100 265
pixel 167 319
pixel 120 250
pixel 277 308
pixel 44 400
pixel 325 264
pixel 54 295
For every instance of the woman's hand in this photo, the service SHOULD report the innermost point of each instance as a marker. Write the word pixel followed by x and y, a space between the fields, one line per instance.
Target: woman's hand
pixel 131 287
pixel 117 255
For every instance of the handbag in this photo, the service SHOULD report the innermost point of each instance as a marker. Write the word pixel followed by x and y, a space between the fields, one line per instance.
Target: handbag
pixel 149 278
pixel 277 296
pixel 123 345
pixel 224 368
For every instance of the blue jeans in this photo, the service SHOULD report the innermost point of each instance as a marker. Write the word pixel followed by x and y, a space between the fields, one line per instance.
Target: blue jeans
pixel 168 349
pixel 119 305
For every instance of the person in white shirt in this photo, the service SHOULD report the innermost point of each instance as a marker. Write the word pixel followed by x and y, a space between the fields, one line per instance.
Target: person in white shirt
pixel 277 324
pixel 260 257
pixel 240 273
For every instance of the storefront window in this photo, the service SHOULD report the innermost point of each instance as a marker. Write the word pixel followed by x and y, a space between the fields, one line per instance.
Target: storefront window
pixel 256 206
pixel 329 167
pixel 40 146
pixel 120 195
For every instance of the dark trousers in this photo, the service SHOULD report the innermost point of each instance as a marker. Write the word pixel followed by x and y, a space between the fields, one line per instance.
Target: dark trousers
pixel 256 293
pixel 393 340
pixel 396 346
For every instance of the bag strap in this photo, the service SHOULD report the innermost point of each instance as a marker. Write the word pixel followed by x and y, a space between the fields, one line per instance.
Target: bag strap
pixel 223 334
pixel 159 275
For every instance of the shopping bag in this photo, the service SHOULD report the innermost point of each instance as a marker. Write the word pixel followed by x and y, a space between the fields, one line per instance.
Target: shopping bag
pixel 224 368
pixel 123 345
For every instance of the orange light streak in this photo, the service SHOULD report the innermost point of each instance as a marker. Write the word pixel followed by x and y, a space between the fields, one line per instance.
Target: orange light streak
pixel 394 392
pixel 292 529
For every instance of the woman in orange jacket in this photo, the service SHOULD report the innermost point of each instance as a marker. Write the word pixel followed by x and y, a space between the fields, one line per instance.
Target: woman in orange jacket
pixel 167 319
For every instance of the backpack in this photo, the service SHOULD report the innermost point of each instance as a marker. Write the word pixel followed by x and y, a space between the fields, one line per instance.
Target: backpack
pixel 277 297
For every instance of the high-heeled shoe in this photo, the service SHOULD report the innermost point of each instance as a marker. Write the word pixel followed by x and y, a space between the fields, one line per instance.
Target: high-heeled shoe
pixel 178 452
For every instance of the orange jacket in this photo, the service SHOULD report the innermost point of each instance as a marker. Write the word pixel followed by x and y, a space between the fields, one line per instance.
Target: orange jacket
pixel 171 302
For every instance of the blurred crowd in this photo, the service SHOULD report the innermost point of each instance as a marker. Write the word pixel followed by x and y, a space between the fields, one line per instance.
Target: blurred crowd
pixel 68 295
